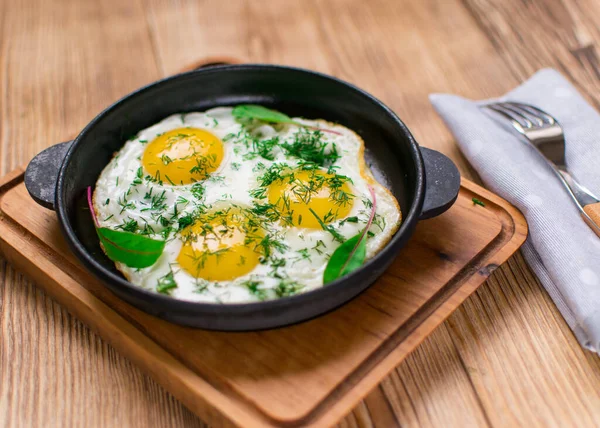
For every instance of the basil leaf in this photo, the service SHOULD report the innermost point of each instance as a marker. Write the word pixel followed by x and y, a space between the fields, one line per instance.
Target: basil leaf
pixel 253 111
pixel 346 258
pixel 134 250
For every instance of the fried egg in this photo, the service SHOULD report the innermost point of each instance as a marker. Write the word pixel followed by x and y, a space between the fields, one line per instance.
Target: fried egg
pixel 248 211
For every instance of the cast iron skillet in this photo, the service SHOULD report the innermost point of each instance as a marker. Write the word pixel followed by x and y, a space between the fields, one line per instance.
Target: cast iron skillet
pixel 425 182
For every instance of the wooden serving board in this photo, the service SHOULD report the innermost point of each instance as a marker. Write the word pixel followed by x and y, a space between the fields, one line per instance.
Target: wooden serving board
pixel 308 374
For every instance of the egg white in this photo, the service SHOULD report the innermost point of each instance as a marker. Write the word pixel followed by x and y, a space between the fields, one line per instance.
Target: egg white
pixel 232 183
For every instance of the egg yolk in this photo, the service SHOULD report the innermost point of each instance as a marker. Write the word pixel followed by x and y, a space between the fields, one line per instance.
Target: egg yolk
pixel 183 156
pixel 307 198
pixel 220 246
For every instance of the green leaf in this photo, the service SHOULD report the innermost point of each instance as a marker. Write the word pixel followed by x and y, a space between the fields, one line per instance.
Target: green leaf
pixel 353 252
pixel 134 250
pixel 346 258
pixel 253 111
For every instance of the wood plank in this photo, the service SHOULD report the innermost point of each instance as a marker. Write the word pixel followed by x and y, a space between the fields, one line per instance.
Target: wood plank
pixel 336 47
pixel 512 311
pixel 415 48
pixel 417 391
pixel 544 369
pixel 56 371
pixel 279 376
pixel 61 63
pixel 552 33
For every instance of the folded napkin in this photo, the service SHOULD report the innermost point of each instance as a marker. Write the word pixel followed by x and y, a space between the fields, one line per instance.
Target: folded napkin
pixel 561 249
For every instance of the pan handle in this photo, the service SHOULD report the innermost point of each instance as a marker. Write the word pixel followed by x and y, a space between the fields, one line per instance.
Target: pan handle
pixel 442 183
pixel 42 173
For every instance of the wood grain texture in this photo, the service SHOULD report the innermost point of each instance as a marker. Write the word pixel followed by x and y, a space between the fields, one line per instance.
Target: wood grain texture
pixel 311 373
pixel 61 62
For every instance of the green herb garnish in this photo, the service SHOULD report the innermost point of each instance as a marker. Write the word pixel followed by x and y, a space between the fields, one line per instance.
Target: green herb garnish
pixel 349 220
pixel 129 248
pixel 287 288
pixel 166 283
pixel 478 202
pixel 351 254
pixel 263 114
pixel 328 228
pixel 129 226
pixel 310 147
pixel 134 250
pixel 253 288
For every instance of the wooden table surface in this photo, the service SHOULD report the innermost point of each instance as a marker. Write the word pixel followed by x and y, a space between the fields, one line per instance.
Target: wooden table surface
pixel 505 358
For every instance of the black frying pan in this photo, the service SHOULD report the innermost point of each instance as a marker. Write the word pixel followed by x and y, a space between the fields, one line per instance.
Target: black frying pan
pixel 425 182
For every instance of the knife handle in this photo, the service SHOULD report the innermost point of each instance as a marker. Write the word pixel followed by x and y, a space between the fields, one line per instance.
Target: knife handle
pixel 587 202
pixel 593 215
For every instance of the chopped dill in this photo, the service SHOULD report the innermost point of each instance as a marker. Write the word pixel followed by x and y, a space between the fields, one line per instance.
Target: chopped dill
pixel 185 221
pixel 204 164
pixel 253 288
pixel 276 263
pixel 269 243
pixel 268 211
pixel 129 226
pixel 379 221
pixel 147 230
pixel 319 247
pixel 166 284
pixel 328 228
pixel 258 167
pixel 125 205
pixel 262 148
pixel 288 288
pixel 197 190
pixel 214 178
pixel 309 146
pixel 228 137
pixel 304 254
pixel 158 202
pixel 349 220
pixel 169 180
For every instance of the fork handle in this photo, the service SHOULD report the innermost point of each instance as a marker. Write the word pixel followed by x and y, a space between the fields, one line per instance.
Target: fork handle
pixel 593 216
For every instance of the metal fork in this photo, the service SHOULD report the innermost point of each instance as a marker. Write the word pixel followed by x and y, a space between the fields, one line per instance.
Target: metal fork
pixel 544 133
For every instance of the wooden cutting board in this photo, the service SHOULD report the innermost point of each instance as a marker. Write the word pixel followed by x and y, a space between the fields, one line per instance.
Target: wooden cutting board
pixel 308 374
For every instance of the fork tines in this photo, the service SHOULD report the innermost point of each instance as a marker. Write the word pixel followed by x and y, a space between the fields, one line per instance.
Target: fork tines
pixel 524 115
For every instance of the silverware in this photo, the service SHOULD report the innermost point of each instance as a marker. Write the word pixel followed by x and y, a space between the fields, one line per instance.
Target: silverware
pixel 545 134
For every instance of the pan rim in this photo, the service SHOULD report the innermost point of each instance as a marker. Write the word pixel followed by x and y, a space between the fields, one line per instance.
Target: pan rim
pixel 405 230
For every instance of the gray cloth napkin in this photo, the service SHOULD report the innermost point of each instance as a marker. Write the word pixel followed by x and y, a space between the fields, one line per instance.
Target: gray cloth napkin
pixel 561 249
